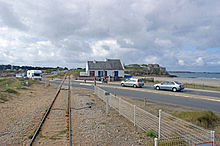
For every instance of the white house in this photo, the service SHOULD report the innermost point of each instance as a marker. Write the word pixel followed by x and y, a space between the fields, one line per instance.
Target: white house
pixel 109 67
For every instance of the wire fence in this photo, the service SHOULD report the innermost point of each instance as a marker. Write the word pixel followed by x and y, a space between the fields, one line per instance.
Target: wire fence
pixel 172 141
pixel 164 125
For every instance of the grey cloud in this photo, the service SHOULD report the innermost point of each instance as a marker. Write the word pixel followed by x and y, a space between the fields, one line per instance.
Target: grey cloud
pixel 9 18
pixel 157 29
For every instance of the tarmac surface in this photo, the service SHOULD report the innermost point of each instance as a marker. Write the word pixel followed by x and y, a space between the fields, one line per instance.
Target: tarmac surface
pixel 201 99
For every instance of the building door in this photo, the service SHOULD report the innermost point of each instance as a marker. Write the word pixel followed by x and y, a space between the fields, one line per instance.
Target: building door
pixel 105 73
pixel 116 73
pixel 92 73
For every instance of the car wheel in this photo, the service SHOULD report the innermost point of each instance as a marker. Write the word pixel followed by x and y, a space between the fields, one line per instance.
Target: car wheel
pixel 122 85
pixel 174 89
pixel 135 86
pixel 158 88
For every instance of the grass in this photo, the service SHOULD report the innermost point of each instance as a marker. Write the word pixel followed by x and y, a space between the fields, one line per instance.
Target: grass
pixel 103 123
pixel 206 119
pixel 11 86
pixel 151 133
pixel 9 90
pixel 60 75
pixel 63 132
pixel 56 136
pixel 197 86
pixel 172 142
pixel 67 114
pixel 32 134
pixel 3 98
pixel 3 80
pixel 76 72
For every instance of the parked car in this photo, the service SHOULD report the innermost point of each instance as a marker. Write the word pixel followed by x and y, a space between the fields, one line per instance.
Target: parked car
pixel 133 82
pixel 169 85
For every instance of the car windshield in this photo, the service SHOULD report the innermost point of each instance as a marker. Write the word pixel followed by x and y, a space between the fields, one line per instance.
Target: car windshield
pixel 178 83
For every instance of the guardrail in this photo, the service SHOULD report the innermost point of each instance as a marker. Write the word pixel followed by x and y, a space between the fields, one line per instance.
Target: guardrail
pixel 165 125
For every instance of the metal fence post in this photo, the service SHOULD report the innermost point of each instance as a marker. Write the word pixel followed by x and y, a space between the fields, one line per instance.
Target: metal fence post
pixel 110 96
pixel 107 94
pixel 145 100
pixel 95 90
pixel 134 115
pixel 159 126
pixel 106 104
pixel 155 142
pixel 213 137
pixel 119 106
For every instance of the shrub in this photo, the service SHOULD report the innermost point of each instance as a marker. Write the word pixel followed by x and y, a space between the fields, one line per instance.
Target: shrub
pixel 206 119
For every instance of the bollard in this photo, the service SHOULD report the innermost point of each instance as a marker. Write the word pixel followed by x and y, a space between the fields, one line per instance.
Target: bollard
pixel 107 94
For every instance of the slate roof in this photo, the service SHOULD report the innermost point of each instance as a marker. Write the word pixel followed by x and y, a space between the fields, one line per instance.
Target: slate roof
pixel 109 64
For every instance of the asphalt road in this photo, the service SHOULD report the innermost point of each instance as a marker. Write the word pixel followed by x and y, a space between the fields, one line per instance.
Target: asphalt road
pixel 186 91
pixel 177 100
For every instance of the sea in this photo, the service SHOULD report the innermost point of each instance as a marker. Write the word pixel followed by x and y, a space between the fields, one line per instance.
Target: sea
pixel 198 75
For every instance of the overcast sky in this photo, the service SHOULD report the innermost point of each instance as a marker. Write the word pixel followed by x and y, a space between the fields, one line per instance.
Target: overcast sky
pixel 179 35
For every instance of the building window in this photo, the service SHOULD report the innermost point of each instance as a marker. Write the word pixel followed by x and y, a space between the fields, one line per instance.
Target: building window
pixel 100 73
pixel 116 73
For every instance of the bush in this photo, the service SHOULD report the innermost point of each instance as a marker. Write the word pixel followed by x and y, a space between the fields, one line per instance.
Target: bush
pixel 206 119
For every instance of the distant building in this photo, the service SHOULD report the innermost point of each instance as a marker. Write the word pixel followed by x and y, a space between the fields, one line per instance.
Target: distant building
pixel 109 67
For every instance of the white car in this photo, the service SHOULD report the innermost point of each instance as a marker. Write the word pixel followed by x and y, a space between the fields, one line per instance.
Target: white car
pixel 169 85
pixel 133 82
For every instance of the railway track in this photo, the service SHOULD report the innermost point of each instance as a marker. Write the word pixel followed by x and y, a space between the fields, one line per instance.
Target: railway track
pixel 55 126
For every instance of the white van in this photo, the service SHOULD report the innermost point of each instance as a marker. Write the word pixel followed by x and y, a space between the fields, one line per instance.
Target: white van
pixel 133 82
pixel 34 74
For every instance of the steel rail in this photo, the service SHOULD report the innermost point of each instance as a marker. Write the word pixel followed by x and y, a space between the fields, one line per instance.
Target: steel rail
pixel 69 106
pixel 46 114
